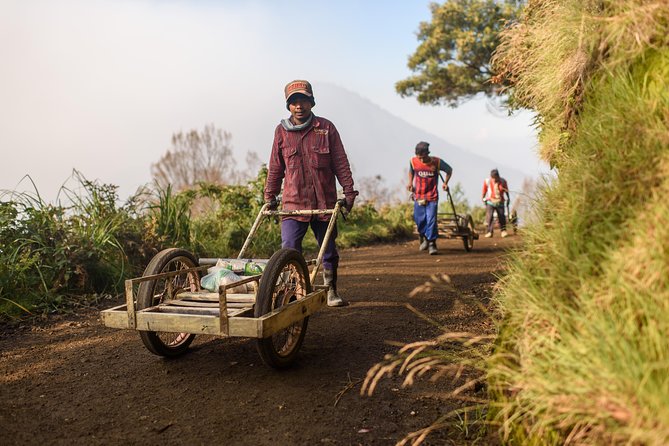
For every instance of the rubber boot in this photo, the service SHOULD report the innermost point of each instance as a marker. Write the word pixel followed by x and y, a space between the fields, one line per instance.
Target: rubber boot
pixel 330 280
pixel 432 247
pixel 423 243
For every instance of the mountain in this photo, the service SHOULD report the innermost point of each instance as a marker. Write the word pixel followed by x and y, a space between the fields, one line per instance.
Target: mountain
pixel 379 143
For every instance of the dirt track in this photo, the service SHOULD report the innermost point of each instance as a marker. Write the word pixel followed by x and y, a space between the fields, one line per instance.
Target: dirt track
pixel 74 381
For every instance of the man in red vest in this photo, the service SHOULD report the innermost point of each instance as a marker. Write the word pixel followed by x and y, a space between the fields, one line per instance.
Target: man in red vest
pixel 494 189
pixel 308 157
pixel 423 180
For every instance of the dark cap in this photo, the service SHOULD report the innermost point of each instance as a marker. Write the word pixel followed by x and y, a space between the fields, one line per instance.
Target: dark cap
pixel 422 147
pixel 494 173
pixel 298 86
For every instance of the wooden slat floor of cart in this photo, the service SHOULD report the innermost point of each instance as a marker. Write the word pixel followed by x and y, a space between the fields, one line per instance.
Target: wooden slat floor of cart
pixel 199 313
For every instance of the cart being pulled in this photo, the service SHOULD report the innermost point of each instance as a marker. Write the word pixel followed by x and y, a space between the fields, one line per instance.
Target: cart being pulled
pixel 168 305
pixel 454 225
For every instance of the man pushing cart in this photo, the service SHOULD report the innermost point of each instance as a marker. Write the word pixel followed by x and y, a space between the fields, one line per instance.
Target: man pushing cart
pixel 308 155
pixel 423 181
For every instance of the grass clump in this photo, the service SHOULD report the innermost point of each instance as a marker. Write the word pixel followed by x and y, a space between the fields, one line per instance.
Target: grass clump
pixel 582 354
pixel 84 244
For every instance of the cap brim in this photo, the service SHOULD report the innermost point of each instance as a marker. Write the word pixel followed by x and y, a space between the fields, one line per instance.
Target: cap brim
pixel 304 92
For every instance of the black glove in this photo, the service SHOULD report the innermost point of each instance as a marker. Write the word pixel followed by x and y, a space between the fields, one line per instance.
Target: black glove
pixel 348 203
pixel 272 204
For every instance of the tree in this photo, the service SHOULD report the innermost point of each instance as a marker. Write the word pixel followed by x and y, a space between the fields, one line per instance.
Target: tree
pixel 196 156
pixel 373 190
pixel 452 62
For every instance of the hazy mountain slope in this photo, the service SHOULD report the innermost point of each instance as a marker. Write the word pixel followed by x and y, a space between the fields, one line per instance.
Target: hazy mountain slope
pixel 380 143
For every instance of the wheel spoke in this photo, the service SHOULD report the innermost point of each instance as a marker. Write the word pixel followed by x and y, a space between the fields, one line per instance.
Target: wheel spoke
pixel 166 289
pixel 290 287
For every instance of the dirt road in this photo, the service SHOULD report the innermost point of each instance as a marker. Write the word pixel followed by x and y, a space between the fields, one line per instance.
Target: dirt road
pixel 74 381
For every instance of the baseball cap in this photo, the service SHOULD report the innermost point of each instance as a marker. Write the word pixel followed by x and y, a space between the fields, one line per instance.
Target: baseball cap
pixel 298 86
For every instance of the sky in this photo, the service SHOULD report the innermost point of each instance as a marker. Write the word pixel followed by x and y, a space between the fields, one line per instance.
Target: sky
pixel 101 85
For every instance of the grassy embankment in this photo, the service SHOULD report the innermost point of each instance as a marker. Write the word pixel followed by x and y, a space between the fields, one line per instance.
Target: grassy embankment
pixel 583 350
pixel 54 257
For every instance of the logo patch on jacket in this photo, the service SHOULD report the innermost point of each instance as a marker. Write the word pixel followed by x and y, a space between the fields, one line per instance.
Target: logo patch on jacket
pixel 321 131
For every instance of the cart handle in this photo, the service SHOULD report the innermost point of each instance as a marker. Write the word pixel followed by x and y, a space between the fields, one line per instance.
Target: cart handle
pixel 264 212
pixel 300 212
pixel 450 199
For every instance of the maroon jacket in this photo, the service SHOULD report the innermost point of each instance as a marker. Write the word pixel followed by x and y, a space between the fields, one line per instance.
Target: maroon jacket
pixel 309 160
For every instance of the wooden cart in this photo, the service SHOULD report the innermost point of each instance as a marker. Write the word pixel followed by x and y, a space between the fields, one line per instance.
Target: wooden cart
pixel 168 306
pixel 454 225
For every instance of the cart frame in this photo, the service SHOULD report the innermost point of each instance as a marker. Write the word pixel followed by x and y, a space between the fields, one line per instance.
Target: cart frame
pixel 453 225
pixel 194 312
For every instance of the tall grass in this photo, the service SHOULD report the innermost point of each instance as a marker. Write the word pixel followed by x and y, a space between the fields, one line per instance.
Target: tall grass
pixel 49 250
pixel 55 256
pixel 582 355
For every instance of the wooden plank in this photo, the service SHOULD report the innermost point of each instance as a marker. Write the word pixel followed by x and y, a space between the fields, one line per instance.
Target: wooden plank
pixel 188 304
pixel 223 327
pixel 203 311
pixel 167 274
pixel 116 317
pixel 246 327
pixel 213 297
pixel 239 313
pixel 178 323
pixel 130 302
pixel 291 313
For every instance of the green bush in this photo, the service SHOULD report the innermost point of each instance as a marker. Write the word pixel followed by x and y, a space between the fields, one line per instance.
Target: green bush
pixel 53 250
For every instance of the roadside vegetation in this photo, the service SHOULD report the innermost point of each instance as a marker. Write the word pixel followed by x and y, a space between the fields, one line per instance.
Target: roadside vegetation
pixel 57 256
pixel 582 354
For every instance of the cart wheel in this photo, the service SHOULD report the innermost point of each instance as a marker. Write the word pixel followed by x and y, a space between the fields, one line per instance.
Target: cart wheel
pixel 153 292
pixel 285 280
pixel 469 239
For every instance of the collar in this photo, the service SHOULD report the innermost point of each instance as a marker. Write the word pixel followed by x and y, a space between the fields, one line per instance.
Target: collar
pixel 288 125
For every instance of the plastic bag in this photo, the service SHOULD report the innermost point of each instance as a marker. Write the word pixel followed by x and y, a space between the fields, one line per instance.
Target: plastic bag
pixel 254 267
pixel 221 276
pixel 246 267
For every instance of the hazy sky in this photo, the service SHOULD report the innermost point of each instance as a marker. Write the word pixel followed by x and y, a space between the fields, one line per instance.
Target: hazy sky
pixel 101 85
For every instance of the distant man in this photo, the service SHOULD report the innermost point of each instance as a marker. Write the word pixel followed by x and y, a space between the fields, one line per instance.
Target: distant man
pixel 308 155
pixel 494 189
pixel 423 181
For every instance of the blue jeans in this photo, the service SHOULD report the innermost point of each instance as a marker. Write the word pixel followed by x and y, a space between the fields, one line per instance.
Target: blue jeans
pixel 293 231
pixel 426 219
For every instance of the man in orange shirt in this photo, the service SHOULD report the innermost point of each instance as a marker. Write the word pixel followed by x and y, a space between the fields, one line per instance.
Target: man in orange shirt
pixel 494 189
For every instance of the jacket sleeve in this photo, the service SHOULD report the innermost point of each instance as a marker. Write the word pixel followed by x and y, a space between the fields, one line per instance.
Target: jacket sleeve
pixel 485 189
pixel 276 169
pixel 340 164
